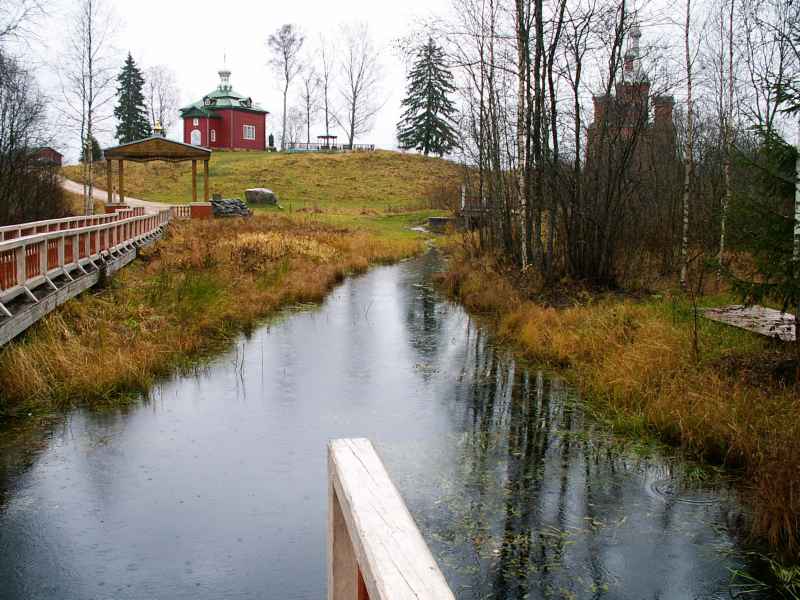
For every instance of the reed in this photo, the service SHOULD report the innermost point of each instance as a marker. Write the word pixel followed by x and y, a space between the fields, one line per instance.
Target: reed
pixel 634 359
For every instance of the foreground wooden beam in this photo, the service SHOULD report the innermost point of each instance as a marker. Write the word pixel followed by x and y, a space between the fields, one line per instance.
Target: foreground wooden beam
pixel 375 550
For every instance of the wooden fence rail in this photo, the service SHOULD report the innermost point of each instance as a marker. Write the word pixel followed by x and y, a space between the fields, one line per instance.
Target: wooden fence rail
pixel 29 261
pixel 182 211
pixel 375 551
pixel 10 232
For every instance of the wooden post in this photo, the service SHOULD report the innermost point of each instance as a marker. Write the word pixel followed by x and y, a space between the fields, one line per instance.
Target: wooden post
pixel 109 181
pixel 342 567
pixel 205 180
pixel 194 181
pixel 375 551
pixel 121 181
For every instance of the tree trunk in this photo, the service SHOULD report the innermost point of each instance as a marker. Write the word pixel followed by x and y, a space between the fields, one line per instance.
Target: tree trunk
pixel 726 202
pixel 522 79
pixel 283 132
pixel 689 157
pixel 796 250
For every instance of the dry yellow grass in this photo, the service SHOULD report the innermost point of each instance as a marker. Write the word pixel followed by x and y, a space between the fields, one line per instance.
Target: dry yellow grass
pixel 636 363
pixel 188 295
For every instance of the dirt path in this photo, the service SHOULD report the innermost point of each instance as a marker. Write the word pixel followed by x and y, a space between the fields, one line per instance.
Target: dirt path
pixel 77 188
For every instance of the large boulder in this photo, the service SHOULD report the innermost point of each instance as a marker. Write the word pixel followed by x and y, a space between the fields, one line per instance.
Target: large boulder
pixel 261 196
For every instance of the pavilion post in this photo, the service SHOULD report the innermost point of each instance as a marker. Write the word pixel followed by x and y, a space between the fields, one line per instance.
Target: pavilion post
pixel 205 180
pixel 121 181
pixel 194 181
pixel 109 181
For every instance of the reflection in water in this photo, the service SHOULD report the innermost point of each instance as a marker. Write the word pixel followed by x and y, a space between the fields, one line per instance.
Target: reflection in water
pixel 215 486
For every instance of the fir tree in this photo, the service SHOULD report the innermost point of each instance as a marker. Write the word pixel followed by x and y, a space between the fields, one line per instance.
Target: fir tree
pixel 131 112
pixel 427 123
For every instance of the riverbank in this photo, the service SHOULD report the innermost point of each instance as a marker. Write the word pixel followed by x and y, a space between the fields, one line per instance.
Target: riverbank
pixel 186 297
pixel 636 360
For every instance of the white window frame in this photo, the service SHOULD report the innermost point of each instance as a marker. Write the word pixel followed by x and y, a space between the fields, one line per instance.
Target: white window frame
pixel 195 122
pixel 248 129
pixel 213 135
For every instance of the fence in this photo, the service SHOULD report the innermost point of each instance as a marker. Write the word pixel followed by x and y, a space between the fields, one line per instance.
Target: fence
pixel 35 253
pixel 375 551
pixel 9 232
pixel 181 211
pixel 323 147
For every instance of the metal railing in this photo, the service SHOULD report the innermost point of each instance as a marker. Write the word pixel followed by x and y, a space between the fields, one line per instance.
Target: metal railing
pixel 332 147
pixel 10 232
pixel 31 260
pixel 375 551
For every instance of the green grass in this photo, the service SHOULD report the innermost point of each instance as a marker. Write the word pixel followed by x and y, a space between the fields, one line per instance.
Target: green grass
pixel 361 182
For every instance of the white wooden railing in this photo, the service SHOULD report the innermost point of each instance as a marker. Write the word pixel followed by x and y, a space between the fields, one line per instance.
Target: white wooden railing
pixel 181 211
pixel 375 551
pixel 35 253
pixel 10 232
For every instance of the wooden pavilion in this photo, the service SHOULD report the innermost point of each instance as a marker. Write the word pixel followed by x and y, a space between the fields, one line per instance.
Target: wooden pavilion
pixel 156 148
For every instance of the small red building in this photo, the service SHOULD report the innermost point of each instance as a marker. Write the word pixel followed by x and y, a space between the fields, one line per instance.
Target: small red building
pixel 225 119
pixel 48 156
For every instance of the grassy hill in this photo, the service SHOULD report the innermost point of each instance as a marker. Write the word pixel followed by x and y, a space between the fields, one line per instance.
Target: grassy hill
pixel 355 183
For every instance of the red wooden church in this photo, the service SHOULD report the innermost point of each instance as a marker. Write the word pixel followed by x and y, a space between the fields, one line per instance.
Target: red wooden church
pixel 225 119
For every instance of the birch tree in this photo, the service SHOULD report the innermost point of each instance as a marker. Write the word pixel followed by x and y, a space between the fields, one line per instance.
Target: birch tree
pixel 309 97
pixel 728 141
pixel 88 80
pixel 326 55
pixel 689 148
pixel 285 46
pixel 161 94
pixel 360 81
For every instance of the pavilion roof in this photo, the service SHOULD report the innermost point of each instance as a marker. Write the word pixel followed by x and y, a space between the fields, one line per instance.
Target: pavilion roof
pixel 157 148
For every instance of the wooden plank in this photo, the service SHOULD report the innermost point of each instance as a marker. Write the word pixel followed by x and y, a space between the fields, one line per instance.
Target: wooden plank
pixel 392 555
pixel 758 319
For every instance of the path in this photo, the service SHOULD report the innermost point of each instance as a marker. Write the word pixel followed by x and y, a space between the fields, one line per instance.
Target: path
pixel 77 188
pixel 758 319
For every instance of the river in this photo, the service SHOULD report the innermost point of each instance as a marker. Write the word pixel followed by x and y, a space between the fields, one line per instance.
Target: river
pixel 214 485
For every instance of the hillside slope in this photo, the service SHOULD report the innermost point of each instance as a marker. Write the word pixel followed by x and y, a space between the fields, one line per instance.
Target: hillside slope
pixel 381 180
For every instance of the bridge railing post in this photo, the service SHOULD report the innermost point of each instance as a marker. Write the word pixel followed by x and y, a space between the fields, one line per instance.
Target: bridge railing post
pixel 375 551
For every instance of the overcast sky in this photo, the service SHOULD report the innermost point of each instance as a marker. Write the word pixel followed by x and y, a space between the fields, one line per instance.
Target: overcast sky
pixel 192 37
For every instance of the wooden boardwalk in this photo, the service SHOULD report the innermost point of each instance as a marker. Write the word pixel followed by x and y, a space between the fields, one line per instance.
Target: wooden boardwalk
pixel 758 319
pixel 45 263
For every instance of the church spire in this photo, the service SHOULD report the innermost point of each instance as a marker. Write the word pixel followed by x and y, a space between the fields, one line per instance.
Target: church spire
pixel 632 70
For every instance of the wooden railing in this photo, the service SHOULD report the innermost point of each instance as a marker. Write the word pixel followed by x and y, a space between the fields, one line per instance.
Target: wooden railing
pixel 33 259
pixel 182 211
pixel 375 551
pixel 10 232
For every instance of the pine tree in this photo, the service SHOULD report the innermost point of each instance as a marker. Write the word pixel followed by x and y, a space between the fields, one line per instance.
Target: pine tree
pixel 427 123
pixel 131 112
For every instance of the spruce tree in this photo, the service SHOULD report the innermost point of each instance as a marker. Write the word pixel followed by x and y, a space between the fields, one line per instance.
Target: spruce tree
pixel 427 123
pixel 131 112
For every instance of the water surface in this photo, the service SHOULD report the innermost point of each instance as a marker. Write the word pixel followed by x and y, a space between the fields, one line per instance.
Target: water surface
pixel 215 485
